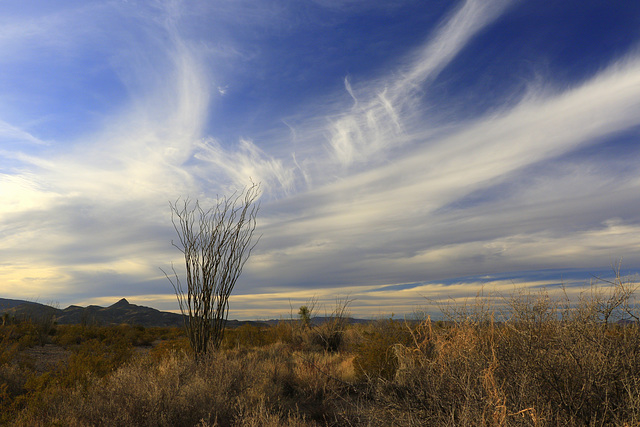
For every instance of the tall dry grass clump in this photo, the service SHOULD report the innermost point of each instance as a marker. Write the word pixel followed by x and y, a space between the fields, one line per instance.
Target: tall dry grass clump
pixel 533 360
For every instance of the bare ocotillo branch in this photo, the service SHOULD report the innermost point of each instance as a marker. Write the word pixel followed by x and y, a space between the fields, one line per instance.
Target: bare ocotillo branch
pixel 216 244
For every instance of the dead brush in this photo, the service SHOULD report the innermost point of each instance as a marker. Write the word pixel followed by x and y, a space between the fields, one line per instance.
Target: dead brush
pixel 423 338
pixel 375 354
pixel 423 347
pixel 495 412
pixel 323 374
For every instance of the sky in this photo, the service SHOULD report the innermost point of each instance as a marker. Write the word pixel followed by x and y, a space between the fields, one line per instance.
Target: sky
pixel 408 151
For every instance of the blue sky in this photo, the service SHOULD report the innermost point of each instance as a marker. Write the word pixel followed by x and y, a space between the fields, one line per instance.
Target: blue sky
pixel 407 150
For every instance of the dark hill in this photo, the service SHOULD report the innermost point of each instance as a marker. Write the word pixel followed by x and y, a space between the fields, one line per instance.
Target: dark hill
pixel 6 304
pixel 118 313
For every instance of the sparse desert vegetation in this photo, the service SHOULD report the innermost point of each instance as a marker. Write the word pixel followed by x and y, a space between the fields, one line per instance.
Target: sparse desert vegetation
pixel 530 359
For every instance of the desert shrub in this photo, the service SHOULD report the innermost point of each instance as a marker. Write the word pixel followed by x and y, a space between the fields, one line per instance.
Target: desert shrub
pixel 172 391
pixel 37 327
pixel 166 333
pixel 8 350
pixel 69 336
pixel 283 332
pixel 87 365
pixel 330 334
pixel 168 347
pixel 320 377
pixel 29 334
pixel 269 385
pixel 546 362
pixel 94 358
pixel 26 333
pixel 374 355
pixel 567 358
pixel 260 415
pixel 302 334
pixel 12 377
pixel 136 335
pixel 247 336
pixel 532 359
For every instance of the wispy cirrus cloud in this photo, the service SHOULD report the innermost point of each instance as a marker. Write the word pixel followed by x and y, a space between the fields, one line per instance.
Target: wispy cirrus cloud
pixel 397 219
pixel 375 185
pixel 75 211
pixel 375 123
pixel 248 163
pixel 12 134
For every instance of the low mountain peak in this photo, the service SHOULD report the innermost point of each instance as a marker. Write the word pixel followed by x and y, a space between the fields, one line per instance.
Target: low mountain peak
pixel 122 303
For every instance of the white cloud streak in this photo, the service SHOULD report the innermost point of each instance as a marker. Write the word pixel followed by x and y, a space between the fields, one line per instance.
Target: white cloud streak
pixel 248 163
pixel 449 39
pixel 373 126
pixel 11 133
pixel 388 220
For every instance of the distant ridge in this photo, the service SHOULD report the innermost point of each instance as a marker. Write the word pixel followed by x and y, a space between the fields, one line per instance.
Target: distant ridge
pixel 6 304
pixel 316 320
pixel 116 314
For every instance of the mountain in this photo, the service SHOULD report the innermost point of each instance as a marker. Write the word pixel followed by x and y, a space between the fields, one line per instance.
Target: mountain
pixel 10 303
pixel 118 313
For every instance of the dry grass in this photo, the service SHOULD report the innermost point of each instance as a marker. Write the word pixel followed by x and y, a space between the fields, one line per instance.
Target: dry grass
pixel 534 360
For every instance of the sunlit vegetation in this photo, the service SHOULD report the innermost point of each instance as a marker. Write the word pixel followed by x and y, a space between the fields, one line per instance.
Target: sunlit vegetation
pixel 530 359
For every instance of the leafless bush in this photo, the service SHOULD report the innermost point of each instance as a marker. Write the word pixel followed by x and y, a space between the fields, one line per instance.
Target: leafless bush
pixel 330 333
pixel 547 361
pixel 216 244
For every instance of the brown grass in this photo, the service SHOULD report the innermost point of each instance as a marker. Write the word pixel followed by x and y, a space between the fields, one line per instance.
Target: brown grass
pixel 531 361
